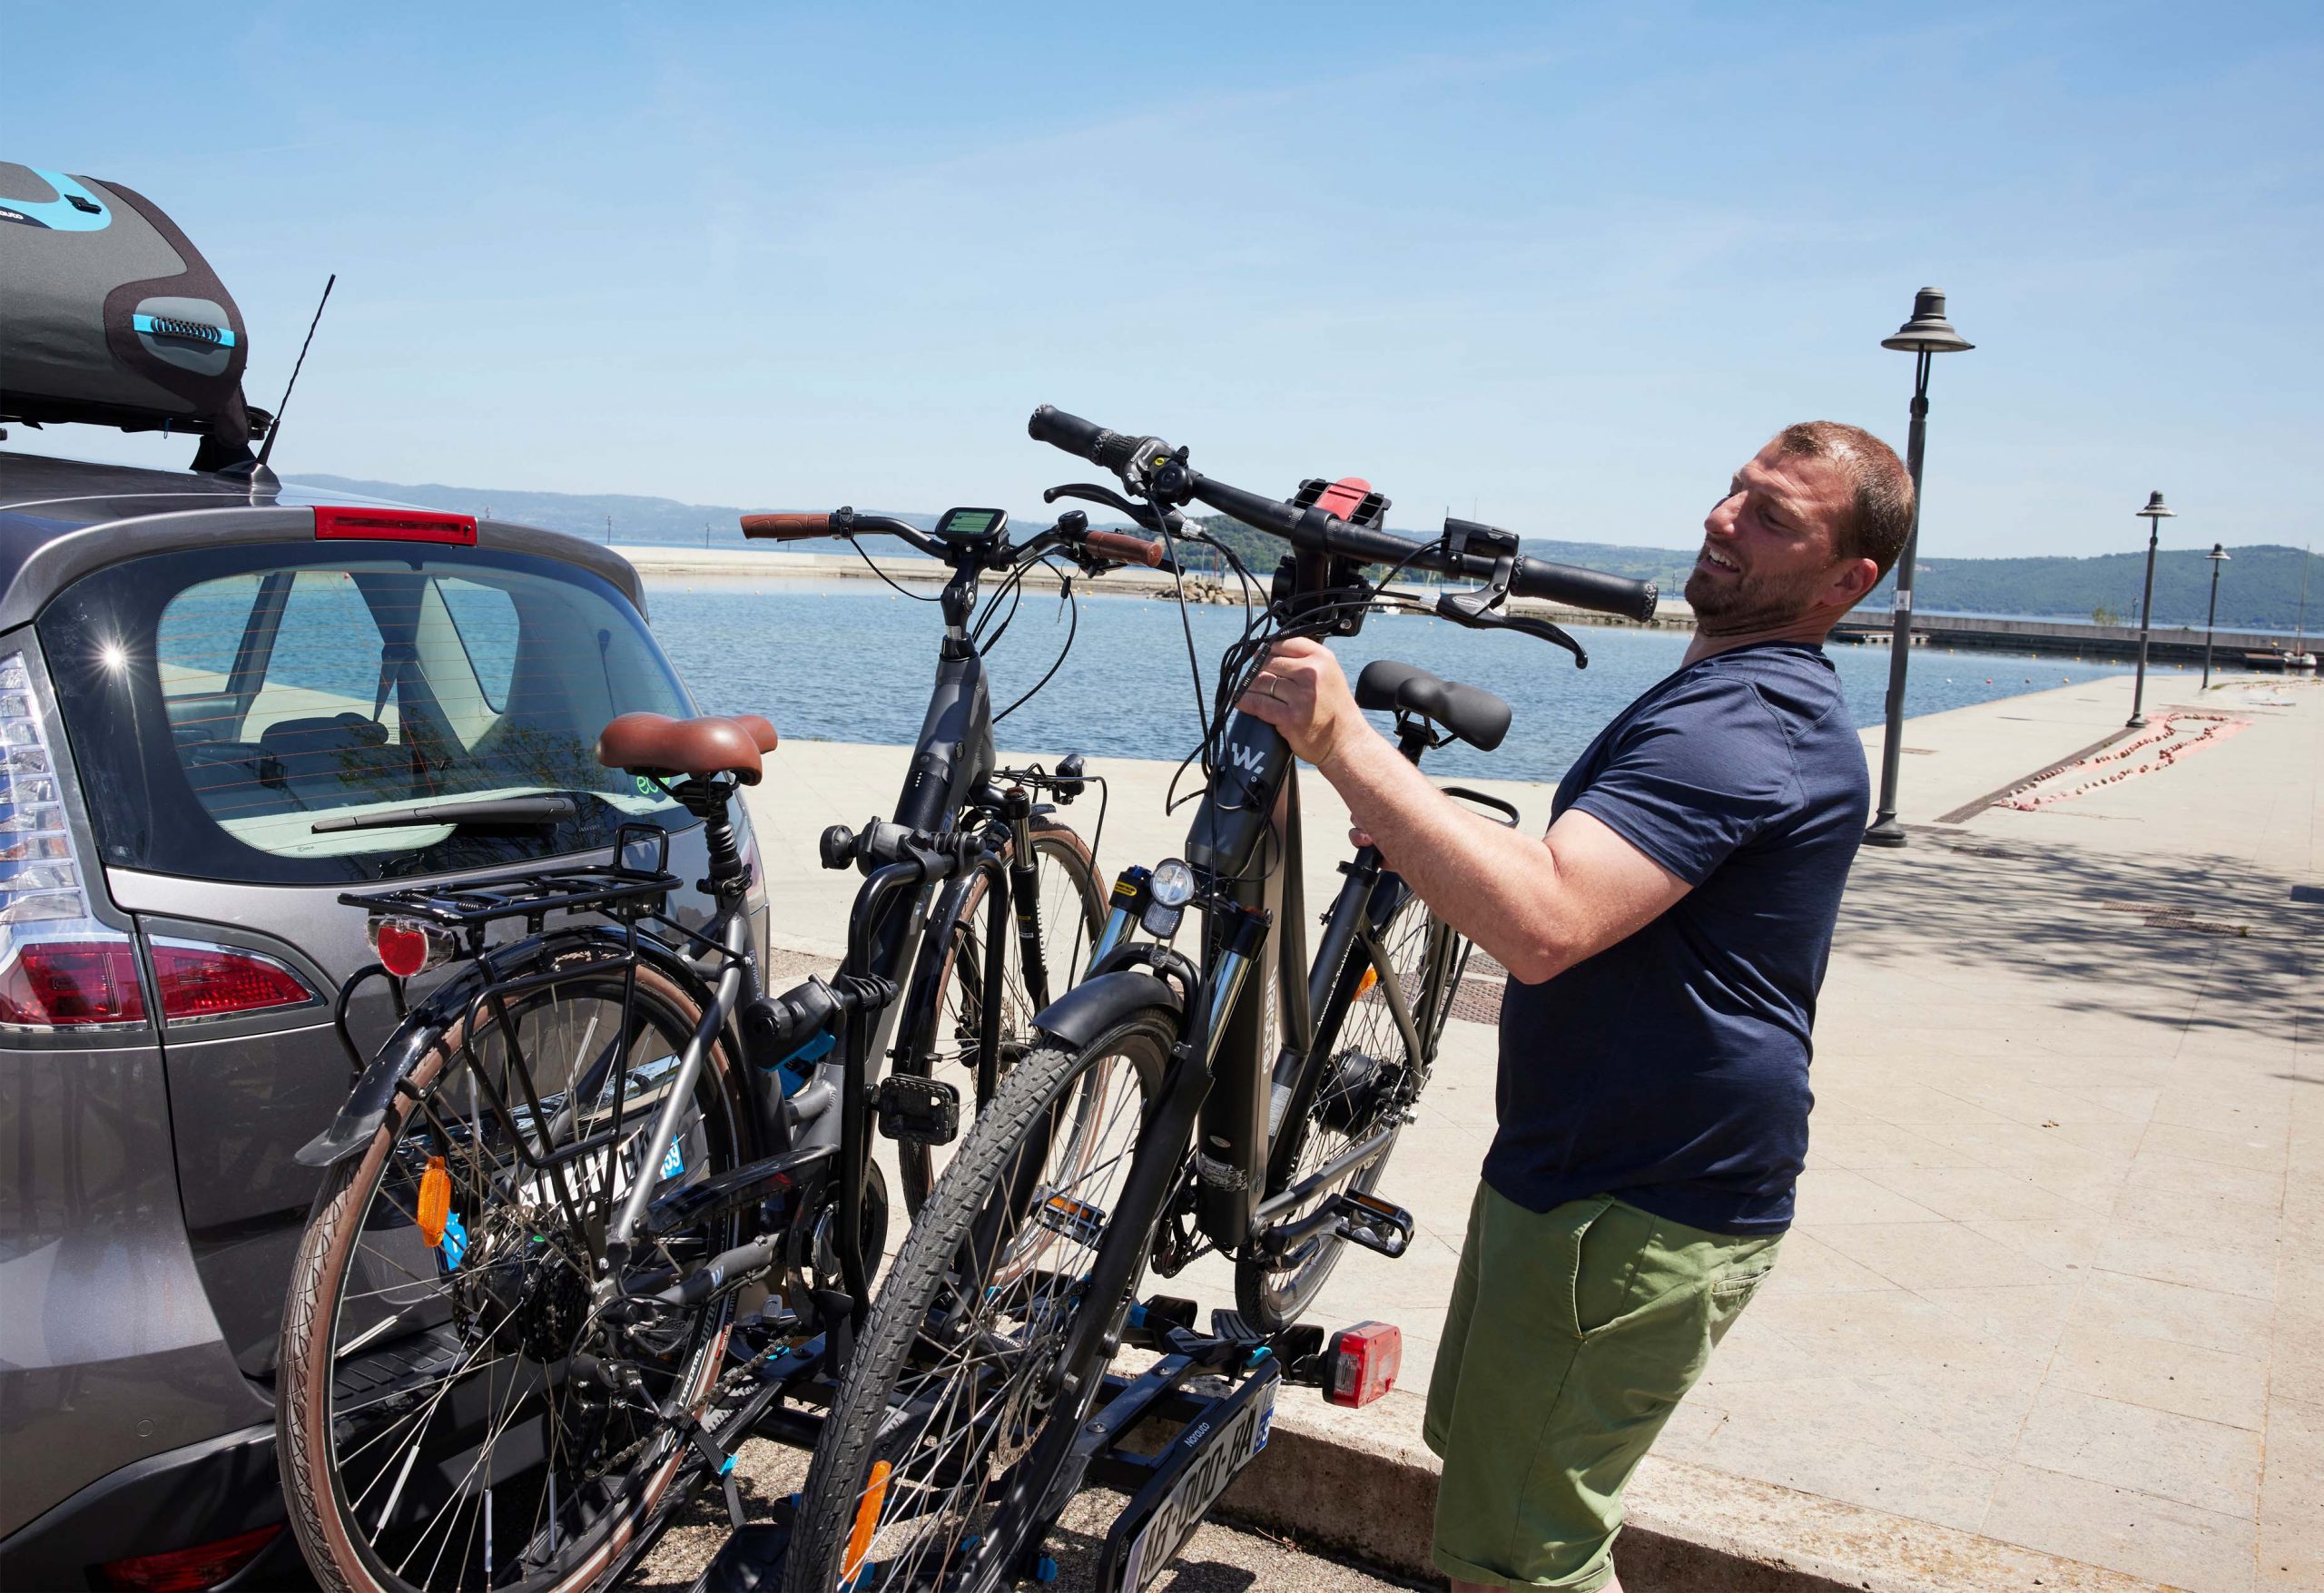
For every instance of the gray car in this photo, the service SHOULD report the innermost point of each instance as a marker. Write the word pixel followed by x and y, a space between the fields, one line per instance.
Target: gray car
pixel 199 686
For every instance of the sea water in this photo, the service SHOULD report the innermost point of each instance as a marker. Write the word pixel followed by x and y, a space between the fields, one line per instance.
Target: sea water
pixel 853 661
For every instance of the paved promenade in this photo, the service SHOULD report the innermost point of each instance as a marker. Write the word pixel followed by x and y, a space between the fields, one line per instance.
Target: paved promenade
pixel 2055 1287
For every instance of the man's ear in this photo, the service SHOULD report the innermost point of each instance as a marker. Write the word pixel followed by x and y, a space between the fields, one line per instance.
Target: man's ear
pixel 1851 579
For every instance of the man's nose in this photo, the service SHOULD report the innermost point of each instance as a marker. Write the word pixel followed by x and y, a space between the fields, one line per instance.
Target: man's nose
pixel 1721 521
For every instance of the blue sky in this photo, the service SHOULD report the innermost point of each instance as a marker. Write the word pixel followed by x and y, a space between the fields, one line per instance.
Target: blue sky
pixel 1562 265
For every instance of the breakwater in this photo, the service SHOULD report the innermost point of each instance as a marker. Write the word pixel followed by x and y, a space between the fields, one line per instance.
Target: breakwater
pixel 2068 638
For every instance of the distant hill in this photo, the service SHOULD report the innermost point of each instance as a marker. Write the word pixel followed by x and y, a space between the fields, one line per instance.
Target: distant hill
pixel 2259 589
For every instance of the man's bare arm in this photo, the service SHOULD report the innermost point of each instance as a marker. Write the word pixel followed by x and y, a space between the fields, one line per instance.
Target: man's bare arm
pixel 1538 905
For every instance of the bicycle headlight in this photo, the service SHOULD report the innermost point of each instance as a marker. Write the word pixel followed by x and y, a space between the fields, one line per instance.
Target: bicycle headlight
pixel 1167 891
pixel 1172 883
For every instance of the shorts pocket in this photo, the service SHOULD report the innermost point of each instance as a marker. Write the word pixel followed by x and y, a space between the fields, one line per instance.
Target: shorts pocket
pixel 1730 1294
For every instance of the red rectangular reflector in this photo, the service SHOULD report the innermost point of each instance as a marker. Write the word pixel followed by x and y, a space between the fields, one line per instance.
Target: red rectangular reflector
pixel 1362 1363
pixel 187 1570
pixel 332 520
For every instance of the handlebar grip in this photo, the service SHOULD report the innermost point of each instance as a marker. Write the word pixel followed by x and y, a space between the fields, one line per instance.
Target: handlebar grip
pixel 1085 439
pixel 1123 549
pixel 1591 589
pixel 786 528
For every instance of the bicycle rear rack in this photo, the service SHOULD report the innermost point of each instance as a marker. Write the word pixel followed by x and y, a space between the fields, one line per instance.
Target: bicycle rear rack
pixel 616 889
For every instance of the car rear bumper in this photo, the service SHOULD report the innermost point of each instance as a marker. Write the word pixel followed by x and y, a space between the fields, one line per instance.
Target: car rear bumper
pixel 178 1499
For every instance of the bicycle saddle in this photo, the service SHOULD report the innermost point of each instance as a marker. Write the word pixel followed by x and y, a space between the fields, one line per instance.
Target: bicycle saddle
pixel 655 743
pixel 1476 716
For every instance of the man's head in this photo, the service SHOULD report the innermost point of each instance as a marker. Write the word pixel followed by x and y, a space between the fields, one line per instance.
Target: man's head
pixel 1805 529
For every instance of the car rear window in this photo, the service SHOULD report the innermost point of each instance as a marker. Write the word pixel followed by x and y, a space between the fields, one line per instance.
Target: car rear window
pixel 220 702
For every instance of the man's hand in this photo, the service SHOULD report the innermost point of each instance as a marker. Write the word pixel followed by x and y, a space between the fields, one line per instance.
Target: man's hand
pixel 1301 691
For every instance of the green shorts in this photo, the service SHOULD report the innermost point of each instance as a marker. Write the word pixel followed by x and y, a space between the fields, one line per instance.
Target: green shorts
pixel 1572 1335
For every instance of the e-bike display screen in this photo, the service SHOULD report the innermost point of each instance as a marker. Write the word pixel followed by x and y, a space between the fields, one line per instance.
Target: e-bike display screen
pixel 972 524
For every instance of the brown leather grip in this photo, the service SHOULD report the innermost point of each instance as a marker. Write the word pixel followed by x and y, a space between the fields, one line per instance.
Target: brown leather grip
pixel 786 528
pixel 1121 549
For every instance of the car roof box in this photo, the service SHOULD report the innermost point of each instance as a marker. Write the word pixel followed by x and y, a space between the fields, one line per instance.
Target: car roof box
pixel 114 318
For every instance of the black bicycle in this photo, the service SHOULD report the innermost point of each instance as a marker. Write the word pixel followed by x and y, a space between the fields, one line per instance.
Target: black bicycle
pixel 1157 1121
pixel 598 1204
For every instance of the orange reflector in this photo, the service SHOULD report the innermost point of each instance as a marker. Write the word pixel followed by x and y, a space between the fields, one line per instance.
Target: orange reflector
pixel 435 1202
pixel 867 1517
pixel 1364 985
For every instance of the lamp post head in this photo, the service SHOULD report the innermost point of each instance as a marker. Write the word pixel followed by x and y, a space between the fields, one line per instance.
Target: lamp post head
pixel 2220 554
pixel 2155 510
pixel 1928 332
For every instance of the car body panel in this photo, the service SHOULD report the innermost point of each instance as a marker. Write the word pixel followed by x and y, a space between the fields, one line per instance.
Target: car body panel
pixel 150 1205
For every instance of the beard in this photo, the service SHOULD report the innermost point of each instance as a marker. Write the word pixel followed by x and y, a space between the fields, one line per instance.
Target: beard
pixel 1749 602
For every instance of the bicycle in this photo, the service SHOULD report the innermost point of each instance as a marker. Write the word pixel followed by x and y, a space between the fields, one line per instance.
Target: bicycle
pixel 516 1332
pixel 965 1423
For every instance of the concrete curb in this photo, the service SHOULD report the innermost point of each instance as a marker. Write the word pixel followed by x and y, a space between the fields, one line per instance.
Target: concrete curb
pixel 1340 1481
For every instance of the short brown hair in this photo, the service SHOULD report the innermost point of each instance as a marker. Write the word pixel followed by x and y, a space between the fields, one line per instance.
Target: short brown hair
pixel 1881 511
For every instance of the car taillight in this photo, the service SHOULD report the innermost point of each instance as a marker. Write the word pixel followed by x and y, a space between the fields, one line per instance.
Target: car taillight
pixel 39 880
pixel 195 979
pixel 61 968
pixel 1362 1363
pixel 188 1571
pixel 72 984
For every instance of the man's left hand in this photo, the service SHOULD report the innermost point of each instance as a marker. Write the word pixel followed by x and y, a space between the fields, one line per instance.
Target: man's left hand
pixel 1301 691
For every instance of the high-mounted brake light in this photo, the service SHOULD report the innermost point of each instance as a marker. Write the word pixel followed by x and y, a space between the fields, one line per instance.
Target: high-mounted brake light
pixel 187 1570
pixel 340 521
pixel 1362 1363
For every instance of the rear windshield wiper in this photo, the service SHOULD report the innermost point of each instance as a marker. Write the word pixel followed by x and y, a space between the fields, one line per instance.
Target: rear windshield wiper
pixel 514 813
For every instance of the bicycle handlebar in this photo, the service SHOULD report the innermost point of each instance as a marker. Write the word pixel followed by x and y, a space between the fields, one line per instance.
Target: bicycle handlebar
pixel 786 528
pixel 1122 549
pixel 1110 546
pixel 1319 529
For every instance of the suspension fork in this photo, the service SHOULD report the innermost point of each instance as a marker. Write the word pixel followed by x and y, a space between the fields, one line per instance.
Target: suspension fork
pixel 1024 894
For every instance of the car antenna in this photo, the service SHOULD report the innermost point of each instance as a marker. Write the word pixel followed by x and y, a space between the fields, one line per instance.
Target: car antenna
pixel 261 477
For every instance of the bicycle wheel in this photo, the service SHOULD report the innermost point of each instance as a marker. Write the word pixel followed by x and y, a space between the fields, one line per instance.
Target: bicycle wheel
pixel 1072 912
pixel 959 1378
pixel 454 1415
pixel 1369 1077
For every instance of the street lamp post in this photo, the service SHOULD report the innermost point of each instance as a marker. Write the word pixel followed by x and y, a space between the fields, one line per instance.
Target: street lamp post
pixel 2218 556
pixel 1926 336
pixel 2155 514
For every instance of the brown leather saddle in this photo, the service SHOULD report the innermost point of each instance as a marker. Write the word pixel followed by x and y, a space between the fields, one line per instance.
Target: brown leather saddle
pixel 655 743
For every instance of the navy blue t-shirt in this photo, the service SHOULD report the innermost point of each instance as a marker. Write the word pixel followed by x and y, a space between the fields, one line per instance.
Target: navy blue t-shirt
pixel 1672 1068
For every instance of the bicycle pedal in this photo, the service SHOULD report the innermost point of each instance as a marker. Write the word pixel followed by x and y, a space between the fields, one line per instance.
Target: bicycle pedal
pixel 1372 1222
pixel 919 1111
pixel 1076 1220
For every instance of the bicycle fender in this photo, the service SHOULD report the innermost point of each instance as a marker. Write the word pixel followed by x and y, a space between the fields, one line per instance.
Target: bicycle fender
pixel 1091 1008
pixel 375 1088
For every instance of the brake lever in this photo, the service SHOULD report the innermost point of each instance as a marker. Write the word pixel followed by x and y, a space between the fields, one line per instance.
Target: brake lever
pixel 1174 525
pixel 1466 609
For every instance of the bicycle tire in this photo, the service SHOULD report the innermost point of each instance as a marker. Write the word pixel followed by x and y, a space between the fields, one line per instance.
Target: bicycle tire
pixel 344 1557
pixel 1337 1117
pixel 919 1311
pixel 945 1034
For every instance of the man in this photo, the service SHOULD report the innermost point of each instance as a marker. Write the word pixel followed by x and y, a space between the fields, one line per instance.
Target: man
pixel 1664 941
